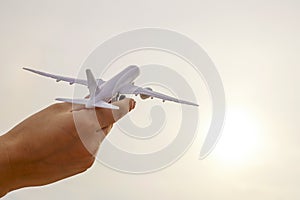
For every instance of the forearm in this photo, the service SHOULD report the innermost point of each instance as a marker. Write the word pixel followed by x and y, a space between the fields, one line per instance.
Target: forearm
pixel 15 169
pixel 6 173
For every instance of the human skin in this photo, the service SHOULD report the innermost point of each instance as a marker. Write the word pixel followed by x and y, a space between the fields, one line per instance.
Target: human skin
pixel 49 146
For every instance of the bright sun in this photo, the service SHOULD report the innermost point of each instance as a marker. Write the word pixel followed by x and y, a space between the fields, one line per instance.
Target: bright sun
pixel 240 140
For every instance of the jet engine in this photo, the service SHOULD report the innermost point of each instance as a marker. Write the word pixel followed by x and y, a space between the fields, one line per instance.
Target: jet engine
pixel 143 96
pixel 121 97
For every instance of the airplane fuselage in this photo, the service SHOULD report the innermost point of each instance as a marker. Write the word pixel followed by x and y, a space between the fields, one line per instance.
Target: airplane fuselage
pixel 111 88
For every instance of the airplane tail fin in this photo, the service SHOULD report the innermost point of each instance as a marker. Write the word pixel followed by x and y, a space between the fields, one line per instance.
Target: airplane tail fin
pixel 92 83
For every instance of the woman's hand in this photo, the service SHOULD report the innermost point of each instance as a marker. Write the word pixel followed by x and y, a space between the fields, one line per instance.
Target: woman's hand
pixel 55 143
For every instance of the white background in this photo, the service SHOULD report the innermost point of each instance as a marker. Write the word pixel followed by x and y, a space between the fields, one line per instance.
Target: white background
pixel 255 46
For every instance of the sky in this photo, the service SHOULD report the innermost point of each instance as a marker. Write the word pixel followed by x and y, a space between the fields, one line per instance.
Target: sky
pixel 255 47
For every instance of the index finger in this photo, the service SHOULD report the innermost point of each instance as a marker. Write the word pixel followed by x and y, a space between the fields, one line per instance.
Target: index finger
pixel 107 116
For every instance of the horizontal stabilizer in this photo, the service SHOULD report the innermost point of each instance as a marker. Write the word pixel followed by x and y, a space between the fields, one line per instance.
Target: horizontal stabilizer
pixel 75 101
pixel 103 104
pixel 100 104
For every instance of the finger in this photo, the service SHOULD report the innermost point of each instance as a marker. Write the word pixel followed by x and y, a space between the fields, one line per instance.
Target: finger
pixel 108 116
pixel 77 107
pixel 105 116
pixel 125 106
pixel 92 125
pixel 107 129
pixel 61 107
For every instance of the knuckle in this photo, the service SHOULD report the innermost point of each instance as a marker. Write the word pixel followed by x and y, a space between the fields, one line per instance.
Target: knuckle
pixel 89 162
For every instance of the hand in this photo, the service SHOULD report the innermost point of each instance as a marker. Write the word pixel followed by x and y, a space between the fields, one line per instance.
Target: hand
pixel 49 146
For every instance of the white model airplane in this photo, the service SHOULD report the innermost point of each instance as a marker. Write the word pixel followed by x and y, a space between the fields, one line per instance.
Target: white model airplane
pixel 102 93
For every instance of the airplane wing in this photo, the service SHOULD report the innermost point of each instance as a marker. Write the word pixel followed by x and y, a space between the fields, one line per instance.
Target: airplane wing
pixel 132 89
pixel 63 78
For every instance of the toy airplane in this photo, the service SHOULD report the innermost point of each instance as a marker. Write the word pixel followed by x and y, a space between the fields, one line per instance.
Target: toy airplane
pixel 102 93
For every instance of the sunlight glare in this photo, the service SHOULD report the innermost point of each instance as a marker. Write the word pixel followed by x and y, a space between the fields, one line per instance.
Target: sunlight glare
pixel 240 140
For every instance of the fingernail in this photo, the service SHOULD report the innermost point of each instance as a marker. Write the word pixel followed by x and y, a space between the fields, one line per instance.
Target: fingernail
pixel 131 104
